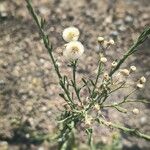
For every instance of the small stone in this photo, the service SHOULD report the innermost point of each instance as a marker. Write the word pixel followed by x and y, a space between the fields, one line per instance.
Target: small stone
pixel 128 19
pixel 135 111
pixel 143 120
pixel 43 109
pixel 114 33
pixel 122 28
pixel 3 145
pixel 2 82
pixel 4 14
pixel 27 135
pixel 24 97
pixel 49 113
pixel 41 148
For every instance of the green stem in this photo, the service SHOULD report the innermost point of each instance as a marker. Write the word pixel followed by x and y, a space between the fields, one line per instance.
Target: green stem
pixel 131 131
pixel 74 84
pixel 127 101
pixel 48 46
pixel 97 77
pixel 144 35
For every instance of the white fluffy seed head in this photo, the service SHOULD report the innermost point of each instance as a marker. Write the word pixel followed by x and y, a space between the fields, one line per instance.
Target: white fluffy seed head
pixel 133 68
pixel 142 79
pixel 103 59
pixel 135 111
pixel 140 86
pixel 73 50
pixel 125 72
pixel 71 34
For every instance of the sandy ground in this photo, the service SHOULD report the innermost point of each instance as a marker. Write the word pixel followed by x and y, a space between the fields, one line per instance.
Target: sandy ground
pixel 28 84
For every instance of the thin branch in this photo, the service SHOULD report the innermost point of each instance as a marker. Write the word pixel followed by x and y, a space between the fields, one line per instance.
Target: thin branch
pixel 131 131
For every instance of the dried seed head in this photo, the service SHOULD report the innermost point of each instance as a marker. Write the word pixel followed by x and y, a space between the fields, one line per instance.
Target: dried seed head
pixel 132 68
pixel 114 64
pixel 125 72
pixel 103 59
pixel 142 80
pixel 140 86
pixel 106 76
pixel 135 111
pixel 100 39
pixel 71 34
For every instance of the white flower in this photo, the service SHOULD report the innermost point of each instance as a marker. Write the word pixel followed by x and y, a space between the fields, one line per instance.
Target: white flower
pixel 71 34
pixel 103 59
pixel 133 68
pixel 142 80
pixel 125 72
pixel 135 111
pixel 73 50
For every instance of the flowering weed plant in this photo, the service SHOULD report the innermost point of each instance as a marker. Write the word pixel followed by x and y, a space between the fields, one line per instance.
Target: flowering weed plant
pixel 79 108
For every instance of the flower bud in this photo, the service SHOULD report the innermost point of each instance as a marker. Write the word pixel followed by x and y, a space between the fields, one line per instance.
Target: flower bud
pixel 132 68
pixel 114 64
pixel 140 86
pixel 103 59
pixel 142 80
pixel 100 39
pixel 135 111
pixel 125 72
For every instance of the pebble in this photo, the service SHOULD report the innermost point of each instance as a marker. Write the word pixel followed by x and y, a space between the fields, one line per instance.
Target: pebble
pixel 4 145
pixel 43 109
pixel 143 120
pixel 41 148
pixel 114 33
pixel 128 19
pixel 49 113
pixel 122 28
pixel 2 83
pixel 24 97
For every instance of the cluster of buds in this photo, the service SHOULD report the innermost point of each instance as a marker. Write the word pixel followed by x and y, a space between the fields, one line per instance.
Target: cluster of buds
pixel 141 82
pixel 126 72
pixel 104 43
pixel 73 49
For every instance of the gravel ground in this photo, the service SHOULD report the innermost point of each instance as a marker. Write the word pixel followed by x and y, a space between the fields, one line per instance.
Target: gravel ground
pixel 28 85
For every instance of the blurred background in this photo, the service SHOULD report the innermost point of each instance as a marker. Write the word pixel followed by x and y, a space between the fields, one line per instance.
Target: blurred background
pixel 28 86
